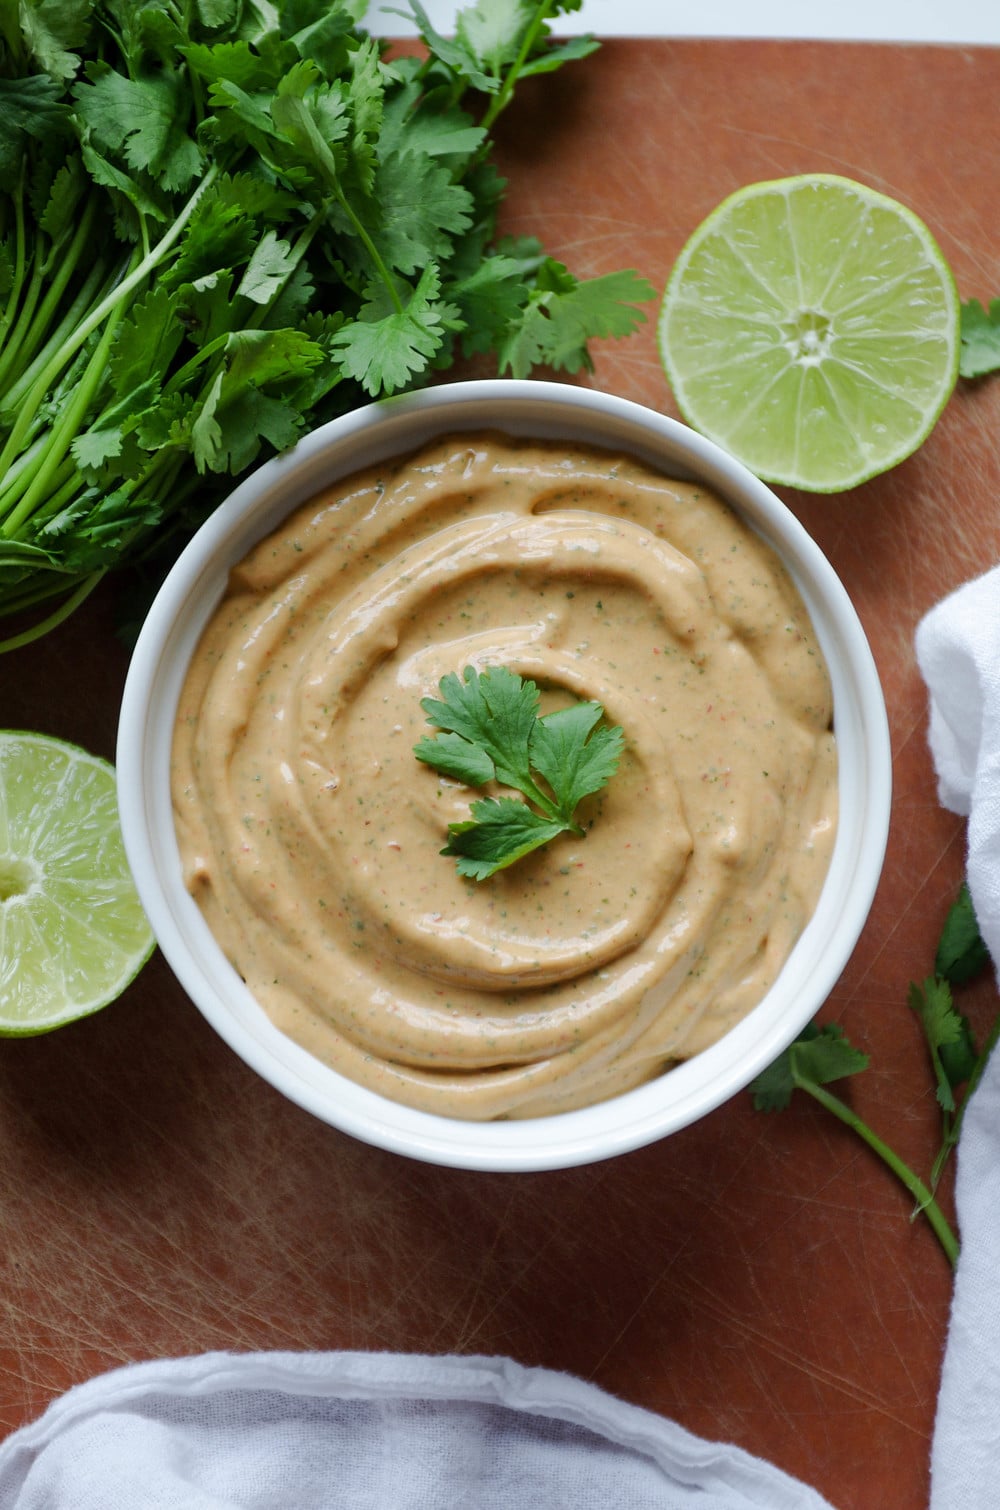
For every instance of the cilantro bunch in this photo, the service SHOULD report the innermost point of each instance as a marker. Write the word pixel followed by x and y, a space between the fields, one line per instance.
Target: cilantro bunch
pixel 223 222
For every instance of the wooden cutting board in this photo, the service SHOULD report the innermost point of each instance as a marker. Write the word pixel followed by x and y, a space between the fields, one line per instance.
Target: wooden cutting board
pixel 757 1278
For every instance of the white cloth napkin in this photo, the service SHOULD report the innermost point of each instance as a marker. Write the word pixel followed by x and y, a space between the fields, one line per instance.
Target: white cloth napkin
pixel 958 649
pixel 369 1431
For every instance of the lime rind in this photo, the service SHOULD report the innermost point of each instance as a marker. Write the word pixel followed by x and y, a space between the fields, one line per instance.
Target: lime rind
pixel 73 933
pixel 816 259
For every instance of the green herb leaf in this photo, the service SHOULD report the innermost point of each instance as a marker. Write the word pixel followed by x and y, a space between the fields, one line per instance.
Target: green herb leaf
pixel 270 264
pixel 575 757
pixel 563 52
pixel 980 339
pixel 389 344
pixel 816 1057
pixel 29 108
pixel 52 30
pixel 494 712
pixel 145 119
pixel 949 1038
pixel 455 54
pixel 961 953
pixel 565 313
pixel 491 731
pixel 146 342
pixel 422 210
pixel 502 830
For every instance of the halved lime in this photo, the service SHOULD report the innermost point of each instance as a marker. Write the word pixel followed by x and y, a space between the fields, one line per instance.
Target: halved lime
pixel 811 327
pixel 72 929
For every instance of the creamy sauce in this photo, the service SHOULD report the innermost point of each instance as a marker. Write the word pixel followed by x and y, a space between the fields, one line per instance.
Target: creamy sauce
pixel 310 833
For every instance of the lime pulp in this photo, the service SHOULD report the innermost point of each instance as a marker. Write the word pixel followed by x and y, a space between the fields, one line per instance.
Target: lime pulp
pixel 72 930
pixel 811 326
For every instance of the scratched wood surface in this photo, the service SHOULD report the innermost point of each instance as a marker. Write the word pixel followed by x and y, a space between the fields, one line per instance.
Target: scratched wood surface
pixel 757 1278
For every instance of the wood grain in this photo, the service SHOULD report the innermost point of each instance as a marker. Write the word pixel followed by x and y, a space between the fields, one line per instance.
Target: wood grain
pixel 757 1278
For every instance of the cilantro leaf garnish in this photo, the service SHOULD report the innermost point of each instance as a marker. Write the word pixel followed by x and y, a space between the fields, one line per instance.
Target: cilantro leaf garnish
pixel 501 831
pixel 491 730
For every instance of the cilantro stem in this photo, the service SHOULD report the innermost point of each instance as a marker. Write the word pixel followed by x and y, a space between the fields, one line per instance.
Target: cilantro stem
pixel 66 607
pixel 141 270
pixel 14 344
pixel 17 276
pixel 94 281
pixel 12 484
pixel 924 1197
pixel 66 427
pixel 501 99
pixel 534 793
pixel 25 349
pixel 296 119
pixel 114 299
pixel 159 481
pixel 65 480
pixel 377 260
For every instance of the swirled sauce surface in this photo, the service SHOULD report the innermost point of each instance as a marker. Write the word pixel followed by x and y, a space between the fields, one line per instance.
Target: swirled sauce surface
pixel 310 833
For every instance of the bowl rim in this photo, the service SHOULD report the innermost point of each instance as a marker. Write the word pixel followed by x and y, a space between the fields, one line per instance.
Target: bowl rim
pixel 391 427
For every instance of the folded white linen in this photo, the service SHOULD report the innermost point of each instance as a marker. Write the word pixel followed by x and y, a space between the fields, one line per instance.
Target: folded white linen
pixel 369 1431
pixel 958 650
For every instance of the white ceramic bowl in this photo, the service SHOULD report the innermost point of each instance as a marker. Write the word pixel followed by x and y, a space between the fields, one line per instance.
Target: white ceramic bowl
pixel 187 599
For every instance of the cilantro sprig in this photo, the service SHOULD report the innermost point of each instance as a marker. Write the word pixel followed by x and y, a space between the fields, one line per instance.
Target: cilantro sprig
pixel 821 1055
pixel 222 224
pixel 491 731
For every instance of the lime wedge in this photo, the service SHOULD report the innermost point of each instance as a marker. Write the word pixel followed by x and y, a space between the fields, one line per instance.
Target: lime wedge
pixel 72 929
pixel 811 327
